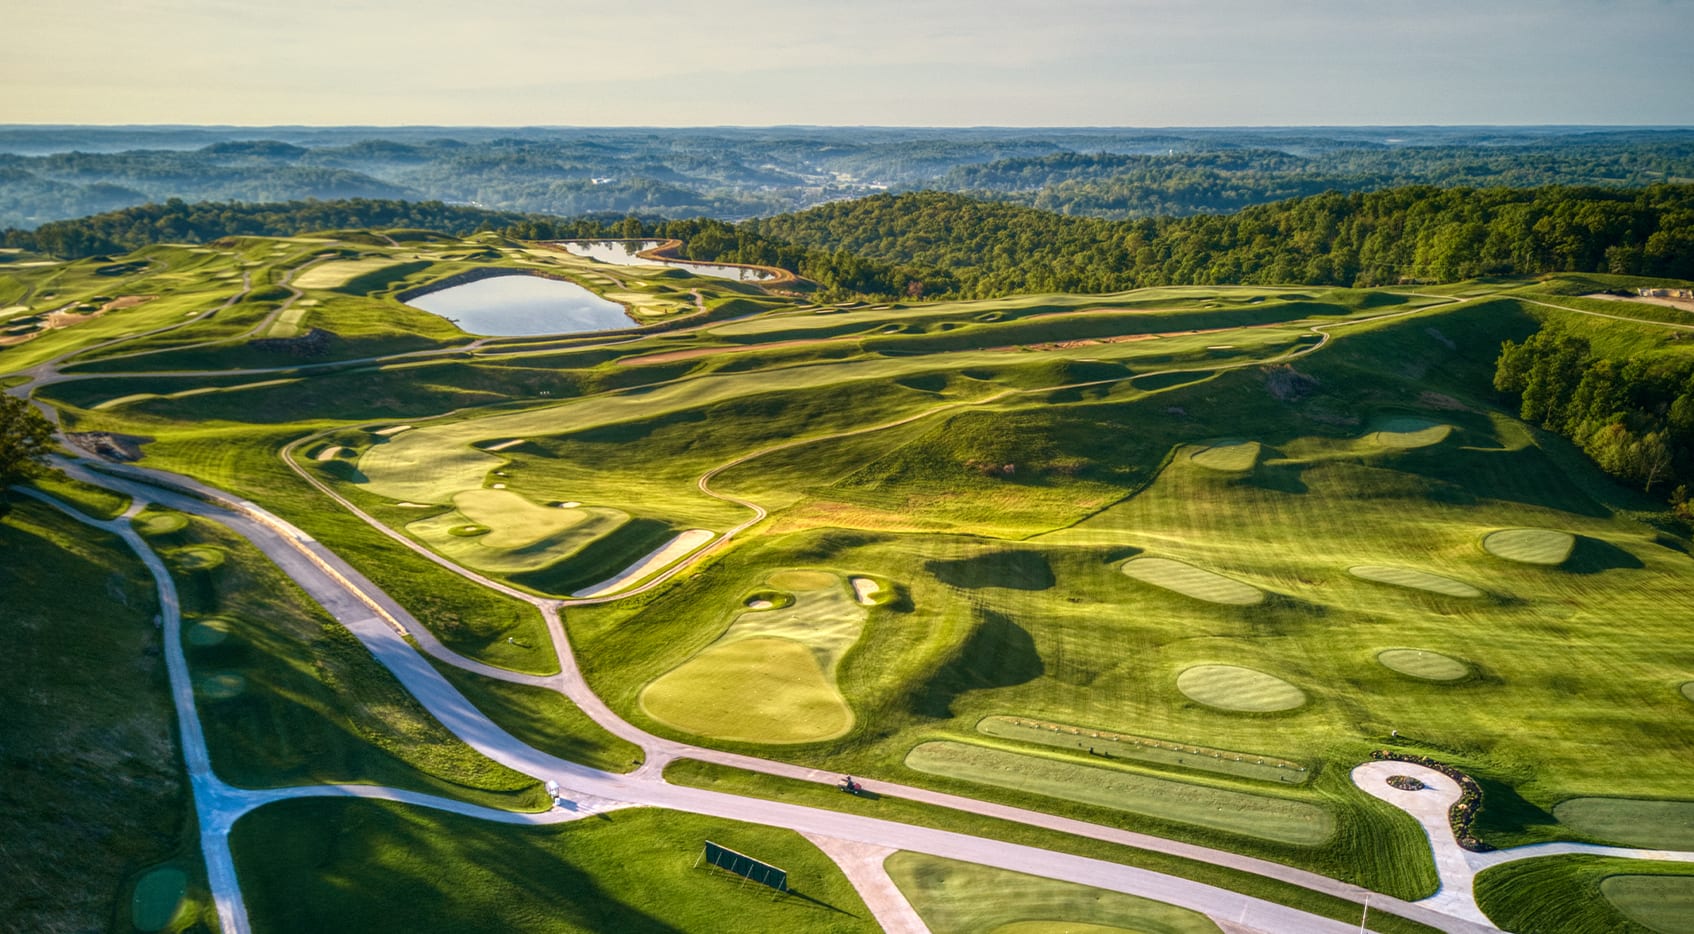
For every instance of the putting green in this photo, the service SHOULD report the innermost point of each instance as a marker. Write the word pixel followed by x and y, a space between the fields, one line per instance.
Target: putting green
pixel 954 897
pixel 1530 546
pixel 1414 579
pixel 1113 745
pixel 1409 432
pixel 1419 663
pixel 1232 456
pixel 500 531
pixel 1230 687
pixel 1688 690
pixel 334 275
pixel 1663 903
pixel 209 632
pixel 1261 816
pixel 801 580
pixel 1190 581
pixel 157 898
pixel 1667 825
pixel 159 523
pixel 198 558
pixel 758 690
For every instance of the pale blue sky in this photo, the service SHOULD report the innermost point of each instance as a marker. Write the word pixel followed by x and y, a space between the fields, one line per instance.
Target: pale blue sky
pixel 888 62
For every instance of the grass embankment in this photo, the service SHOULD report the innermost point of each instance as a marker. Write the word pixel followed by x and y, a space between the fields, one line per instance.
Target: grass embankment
pixel 544 719
pixel 92 501
pixel 95 799
pixel 371 866
pixel 964 898
pixel 811 794
pixel 290 697
pixel 1589 895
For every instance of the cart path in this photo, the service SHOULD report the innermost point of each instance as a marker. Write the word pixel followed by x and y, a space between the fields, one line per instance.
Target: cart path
pixel 862 863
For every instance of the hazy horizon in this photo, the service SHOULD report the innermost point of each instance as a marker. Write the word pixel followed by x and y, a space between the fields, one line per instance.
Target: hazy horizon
pixel 879 63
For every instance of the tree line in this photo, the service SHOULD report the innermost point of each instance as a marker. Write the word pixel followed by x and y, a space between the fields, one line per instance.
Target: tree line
pixel 1634 418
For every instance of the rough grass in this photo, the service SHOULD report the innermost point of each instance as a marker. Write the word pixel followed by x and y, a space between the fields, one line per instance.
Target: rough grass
pixel 373 866
pixel 543 718
pixel 1278 819
pixel 1414 579
pixel 1575 895
pixel 95 796
pixel 963 898
pixel 1530 546
pixel 1191 581
pixel 1657 824
pixel 290 697
pixel 1421 663
pixel 1231 687
pixel 1109 745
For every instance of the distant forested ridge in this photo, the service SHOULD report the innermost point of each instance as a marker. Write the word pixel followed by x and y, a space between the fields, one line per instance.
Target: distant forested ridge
pixel 177 222
pixel 929 244
pixel 1634 417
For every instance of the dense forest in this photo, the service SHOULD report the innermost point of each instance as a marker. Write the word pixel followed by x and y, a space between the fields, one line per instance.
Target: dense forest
pixel 55 173
pixel 1634 417
pixel 929 245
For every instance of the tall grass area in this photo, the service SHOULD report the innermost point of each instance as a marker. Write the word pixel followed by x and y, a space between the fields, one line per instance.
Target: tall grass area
pixel 375 866
pixel 289 696
pixel 95 795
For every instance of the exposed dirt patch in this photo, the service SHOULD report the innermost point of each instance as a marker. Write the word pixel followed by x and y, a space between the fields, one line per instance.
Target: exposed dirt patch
pixel 109 446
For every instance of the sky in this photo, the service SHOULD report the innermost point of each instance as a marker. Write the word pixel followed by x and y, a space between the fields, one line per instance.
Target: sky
pixel 849 62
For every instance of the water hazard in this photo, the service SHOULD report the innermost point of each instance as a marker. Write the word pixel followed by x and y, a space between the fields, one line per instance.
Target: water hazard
pixel 622 253
pixel 521 306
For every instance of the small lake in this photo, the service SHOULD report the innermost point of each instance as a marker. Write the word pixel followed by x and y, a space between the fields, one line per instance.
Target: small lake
pixel 622 253
pixel 523 306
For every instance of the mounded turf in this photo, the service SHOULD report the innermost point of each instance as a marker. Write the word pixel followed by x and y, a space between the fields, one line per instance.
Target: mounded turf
pixel 1190 581
pixel 501 531
pixel 1665 825
pixel 1413 579
pixel 1110 745
pixel 1409 432
pixel 1278 819
pixel 1231 687
pixel 1227 456
pixel 157 898
pixel 1663 903
pixel 1422 663
pixel 1530 546
pixel 1688 690
pixel 756 690
pixel 956 897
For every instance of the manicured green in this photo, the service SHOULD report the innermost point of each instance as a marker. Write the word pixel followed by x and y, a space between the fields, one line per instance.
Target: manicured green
pixel 1110 744
pixel 1191 581
pixel 963 898
pixel 1588 895
pixel 1419 663
pixel 373 866
pixel 1228 456
pixel 1530 546
pixel 1657 824
pixel 1232 687
pixel 1270 818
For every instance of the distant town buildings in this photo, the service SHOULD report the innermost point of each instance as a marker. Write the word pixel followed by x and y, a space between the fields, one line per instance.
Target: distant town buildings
pixel 1684 294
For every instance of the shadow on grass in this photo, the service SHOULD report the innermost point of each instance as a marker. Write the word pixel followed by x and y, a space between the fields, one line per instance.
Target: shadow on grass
pixel 1593 555
pixel 1015 569
pixel 819 903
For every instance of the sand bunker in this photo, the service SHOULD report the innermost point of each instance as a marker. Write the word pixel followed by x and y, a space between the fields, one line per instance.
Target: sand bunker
pixel 759 604
pixel 221 685
pixel 1229 456
pixel 1409 432
pixel 1190 581
pixel 1420 663
pixel 655 561
pixel 391 431
pixel 418 505
pixel 1530 546
pixel 1414 579
pixel 865 590
pixel 330 453
pixel 1230 687
pixel 505 444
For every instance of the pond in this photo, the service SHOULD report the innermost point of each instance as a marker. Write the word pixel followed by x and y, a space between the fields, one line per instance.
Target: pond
pixel 622 253
pixel 520 305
